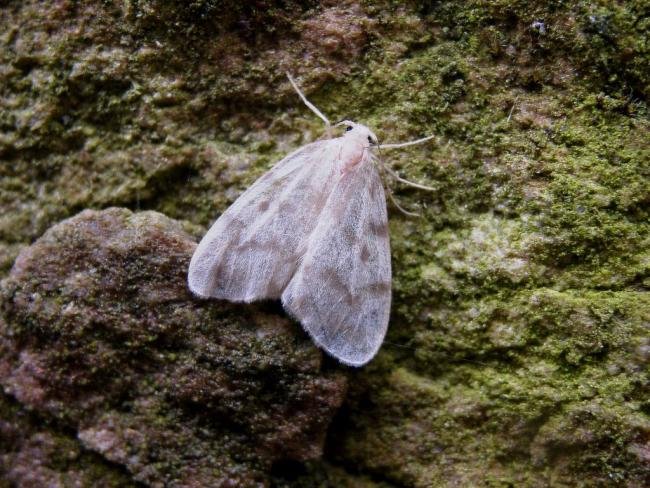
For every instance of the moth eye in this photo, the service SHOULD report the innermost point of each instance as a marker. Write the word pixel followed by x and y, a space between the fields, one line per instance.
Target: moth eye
pixel 348 129
pixel 369 139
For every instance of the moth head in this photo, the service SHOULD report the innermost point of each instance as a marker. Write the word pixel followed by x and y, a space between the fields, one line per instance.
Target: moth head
pixel 359 132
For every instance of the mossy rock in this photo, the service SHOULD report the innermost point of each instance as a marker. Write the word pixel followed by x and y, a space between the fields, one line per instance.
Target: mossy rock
pixel 518 345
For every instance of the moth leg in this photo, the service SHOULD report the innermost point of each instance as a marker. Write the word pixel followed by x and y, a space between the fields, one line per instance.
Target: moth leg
pixel 389 191
pixel 406 182
pixel 310 105
pixel 392 173
pixel 398 206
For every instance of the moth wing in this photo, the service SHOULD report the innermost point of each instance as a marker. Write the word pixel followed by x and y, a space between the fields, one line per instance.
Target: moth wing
pixel 253 249
pixel 342 291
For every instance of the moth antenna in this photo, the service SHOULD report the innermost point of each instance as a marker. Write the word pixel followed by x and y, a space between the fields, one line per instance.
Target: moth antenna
pixel 405 144
pixel 310 105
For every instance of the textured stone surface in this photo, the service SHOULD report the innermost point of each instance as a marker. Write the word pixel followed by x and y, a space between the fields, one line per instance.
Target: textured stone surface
pixel 518 346
pixel 102 335
pixel 37 453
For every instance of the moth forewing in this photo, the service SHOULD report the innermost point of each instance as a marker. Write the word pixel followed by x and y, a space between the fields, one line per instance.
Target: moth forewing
pixel 341 293
pixel 252 250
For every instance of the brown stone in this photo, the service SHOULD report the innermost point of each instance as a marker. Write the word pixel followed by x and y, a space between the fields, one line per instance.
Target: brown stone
pixel 102 335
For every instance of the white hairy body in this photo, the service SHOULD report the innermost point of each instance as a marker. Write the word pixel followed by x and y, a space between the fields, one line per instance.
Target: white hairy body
pixel 313 232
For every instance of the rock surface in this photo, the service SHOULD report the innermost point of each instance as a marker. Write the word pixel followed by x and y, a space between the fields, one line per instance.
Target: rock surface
pixel 518 346
pixel 102 336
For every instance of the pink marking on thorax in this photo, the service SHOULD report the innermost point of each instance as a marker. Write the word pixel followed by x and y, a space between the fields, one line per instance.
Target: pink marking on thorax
pixel 351 154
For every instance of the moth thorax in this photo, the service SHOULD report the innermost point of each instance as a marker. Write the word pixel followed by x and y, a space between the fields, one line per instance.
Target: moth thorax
pixel 352 152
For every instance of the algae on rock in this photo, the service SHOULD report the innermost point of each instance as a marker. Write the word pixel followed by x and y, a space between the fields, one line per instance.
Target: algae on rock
pixel 518 346
pixel 102 335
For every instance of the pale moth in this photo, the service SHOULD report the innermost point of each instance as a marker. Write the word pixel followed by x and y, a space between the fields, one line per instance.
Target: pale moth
pixel 313 232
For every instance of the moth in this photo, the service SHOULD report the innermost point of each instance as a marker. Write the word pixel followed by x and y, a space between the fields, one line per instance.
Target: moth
pixel 313 232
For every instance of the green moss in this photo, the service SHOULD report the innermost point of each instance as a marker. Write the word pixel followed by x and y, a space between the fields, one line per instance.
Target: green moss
pixel 517 343
pixel 519 302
